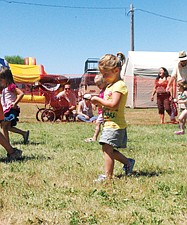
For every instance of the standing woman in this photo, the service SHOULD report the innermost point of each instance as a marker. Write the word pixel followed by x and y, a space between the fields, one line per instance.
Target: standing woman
pixel 163 97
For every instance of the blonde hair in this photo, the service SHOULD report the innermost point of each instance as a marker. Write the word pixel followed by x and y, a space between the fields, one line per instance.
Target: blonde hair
pixel 110 62
pixel 99 79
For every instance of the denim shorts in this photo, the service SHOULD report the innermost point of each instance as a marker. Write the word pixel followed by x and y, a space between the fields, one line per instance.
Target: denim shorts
pixel 12 116
pixel 116 138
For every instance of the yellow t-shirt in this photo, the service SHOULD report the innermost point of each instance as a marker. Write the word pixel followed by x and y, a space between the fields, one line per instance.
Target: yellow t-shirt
pixel 115 118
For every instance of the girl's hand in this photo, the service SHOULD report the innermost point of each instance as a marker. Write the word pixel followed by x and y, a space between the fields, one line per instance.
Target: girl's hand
pixel 93 98
pixel 95 101
pixel 14 105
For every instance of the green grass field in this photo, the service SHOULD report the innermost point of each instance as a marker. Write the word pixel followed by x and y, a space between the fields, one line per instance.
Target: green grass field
pixel 53 183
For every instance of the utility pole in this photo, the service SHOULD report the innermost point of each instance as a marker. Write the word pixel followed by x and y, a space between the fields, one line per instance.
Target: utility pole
pixel 132 27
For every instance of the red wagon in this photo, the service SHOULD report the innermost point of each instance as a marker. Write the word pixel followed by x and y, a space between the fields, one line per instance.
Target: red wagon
pixel 54 108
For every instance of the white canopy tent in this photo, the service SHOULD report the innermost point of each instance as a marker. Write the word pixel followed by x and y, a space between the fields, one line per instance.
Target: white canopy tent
pixel 140 71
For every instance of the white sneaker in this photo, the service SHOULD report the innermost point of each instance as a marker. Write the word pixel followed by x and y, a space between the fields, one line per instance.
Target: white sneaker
pixel 100 178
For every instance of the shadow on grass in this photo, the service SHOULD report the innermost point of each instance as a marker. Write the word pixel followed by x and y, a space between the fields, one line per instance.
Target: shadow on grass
pixel 29 143
pixel 147 173
pixel 143 174
pixel 26 158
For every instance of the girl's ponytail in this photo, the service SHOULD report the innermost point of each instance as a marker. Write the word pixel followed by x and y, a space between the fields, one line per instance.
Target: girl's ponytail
pixel 121 58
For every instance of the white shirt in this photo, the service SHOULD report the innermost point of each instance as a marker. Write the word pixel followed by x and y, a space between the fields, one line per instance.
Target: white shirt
pixel 179 72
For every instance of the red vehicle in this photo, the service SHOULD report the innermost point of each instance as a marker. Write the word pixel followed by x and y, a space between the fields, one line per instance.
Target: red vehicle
pixel 25 76
pixel 40 87
pixel 54 108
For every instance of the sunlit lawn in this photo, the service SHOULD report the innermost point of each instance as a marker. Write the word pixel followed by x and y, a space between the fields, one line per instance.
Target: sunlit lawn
pixel 53 183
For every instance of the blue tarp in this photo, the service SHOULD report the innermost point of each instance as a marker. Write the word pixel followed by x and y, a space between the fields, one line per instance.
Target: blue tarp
pixel 3 63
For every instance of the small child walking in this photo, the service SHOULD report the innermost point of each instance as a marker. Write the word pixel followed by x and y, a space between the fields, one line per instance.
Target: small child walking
pixel 101 84
pixel 12 153
pixel 114 134
pixel 182 101
pixel 11 96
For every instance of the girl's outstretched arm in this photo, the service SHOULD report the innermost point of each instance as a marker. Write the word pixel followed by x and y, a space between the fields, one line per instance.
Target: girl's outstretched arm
pixel 113 104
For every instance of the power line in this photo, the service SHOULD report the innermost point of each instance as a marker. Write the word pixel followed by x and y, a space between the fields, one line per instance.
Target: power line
pixel 64 6
pixel 91 8
pixel 166 17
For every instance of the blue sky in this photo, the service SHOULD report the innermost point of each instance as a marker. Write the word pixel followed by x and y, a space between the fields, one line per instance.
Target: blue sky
pixel 61 38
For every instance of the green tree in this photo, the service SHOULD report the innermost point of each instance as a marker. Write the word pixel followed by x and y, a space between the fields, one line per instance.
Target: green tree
pixel 15 59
